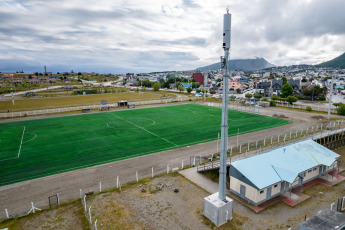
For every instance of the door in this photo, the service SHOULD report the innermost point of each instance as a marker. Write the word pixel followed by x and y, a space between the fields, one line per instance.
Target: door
pixel 282 186
pixel 243 191
pixel 269 192
pixel 320 170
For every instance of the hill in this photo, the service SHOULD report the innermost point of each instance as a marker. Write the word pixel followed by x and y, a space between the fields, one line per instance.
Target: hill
pixel 336 62
pixel 241 64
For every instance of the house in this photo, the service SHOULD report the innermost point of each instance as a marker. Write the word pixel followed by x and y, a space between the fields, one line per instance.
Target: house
pixel 277 85
pixel 265 88
pixel 262 177
pixel 296 84
pixel 199 77
pixel 233 85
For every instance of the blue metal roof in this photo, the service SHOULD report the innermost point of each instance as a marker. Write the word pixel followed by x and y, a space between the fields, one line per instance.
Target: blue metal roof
pixel 186 85
pixel 285 163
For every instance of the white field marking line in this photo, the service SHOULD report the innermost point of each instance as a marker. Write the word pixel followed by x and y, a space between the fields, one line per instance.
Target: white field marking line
pixel 21 142
pixel 31 138
pixel 201 114
pixel 144 129
pixel 153 123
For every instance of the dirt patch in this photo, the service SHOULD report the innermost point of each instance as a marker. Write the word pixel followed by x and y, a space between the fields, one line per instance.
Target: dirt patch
pixel 280 116
pixel 318 117
pixel 69 216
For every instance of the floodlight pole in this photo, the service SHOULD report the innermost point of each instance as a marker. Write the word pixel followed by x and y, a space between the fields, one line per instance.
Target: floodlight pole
pixel 224 125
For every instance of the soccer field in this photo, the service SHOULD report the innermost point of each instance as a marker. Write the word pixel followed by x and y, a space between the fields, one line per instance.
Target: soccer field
pixel 36 148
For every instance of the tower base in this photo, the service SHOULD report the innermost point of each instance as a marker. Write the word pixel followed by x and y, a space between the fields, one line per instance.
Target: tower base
pixel 218 211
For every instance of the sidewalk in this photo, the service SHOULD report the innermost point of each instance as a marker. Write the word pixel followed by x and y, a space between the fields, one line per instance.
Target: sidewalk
pixel 197 178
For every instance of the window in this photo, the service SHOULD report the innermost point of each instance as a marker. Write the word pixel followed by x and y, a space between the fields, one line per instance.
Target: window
pixel 314 169
pixel 309 171
pixel 262 191
pixel 304 175
pixel 275 185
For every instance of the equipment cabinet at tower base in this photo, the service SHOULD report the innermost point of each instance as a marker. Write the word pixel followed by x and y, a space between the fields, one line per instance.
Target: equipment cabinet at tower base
pixel 216 210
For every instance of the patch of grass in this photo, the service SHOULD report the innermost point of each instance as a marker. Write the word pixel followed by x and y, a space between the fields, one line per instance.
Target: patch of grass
pixel 60 102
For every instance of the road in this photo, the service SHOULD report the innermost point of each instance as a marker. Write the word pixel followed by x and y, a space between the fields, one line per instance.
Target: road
pixel 17 197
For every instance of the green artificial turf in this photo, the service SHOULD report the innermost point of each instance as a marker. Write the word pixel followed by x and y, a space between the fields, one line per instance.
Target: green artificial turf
pixel 65 143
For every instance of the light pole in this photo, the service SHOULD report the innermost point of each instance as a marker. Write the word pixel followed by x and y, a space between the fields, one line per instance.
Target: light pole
pixel 330 99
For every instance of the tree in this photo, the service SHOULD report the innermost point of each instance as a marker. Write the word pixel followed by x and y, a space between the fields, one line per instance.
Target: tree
pixel 238 90
pixel 195 85
pixel 156 86
pixel 248 95
pixel 180 87
pixel 212 91
pixel 166 85
pixel 79 73
pixel 312 90
pixel 189 89
pixel 304 80
pixel 341 110
pixel 291 99
pixel 284 80
pixel 198 90
pixel 336 104
pixel 287 90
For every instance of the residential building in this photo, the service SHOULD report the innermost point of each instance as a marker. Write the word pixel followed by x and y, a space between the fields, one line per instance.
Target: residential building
pixel 199 77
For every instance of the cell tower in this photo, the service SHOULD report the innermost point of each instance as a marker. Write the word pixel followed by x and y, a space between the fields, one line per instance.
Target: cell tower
pixel 218 207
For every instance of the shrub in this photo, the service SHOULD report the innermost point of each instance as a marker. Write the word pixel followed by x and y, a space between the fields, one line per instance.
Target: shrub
pixel 272 103
pixel 258 96
pixel 212 91
pixel 308 108
pixel 291 99
pixel 322 98
pixel 265 99
pixel 341 110
pixel 248 95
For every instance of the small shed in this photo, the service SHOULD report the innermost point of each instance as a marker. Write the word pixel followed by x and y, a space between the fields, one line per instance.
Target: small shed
pixel 122 103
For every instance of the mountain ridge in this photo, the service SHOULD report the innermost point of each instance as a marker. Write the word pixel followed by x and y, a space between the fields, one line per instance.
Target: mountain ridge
pixel 241 64
pixel 335 62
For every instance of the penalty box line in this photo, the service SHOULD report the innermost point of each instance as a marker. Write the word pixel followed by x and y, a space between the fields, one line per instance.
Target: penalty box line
pixel 144 129
pixel 21 142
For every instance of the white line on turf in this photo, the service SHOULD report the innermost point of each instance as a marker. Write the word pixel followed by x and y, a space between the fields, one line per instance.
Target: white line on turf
pixel 31 138
pixel 143 129
pixel 21 142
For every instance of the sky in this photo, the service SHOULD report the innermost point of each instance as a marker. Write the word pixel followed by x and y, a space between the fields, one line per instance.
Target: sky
pixel 141 36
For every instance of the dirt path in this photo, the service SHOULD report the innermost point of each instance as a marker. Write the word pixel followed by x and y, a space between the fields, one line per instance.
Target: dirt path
pixel 17 197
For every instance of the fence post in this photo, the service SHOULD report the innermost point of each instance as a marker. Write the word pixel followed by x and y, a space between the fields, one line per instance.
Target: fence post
pixel 278 138
pixel 58 198
pixel 271 140
pixel 90 215
pixel 117 182
pixel 264 142
pixel 332 206
pixel 100 186
pixel 95 224
pixel 152 172
pixel 85 204
pixel 7 216
pixel 248 146
pixel 136 175
pixel 168 169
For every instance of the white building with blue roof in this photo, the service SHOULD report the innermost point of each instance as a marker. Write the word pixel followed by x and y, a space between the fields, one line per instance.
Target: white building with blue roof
pixel 262 177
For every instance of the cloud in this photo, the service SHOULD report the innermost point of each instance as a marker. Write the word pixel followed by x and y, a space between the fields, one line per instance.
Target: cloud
pixel 151 35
